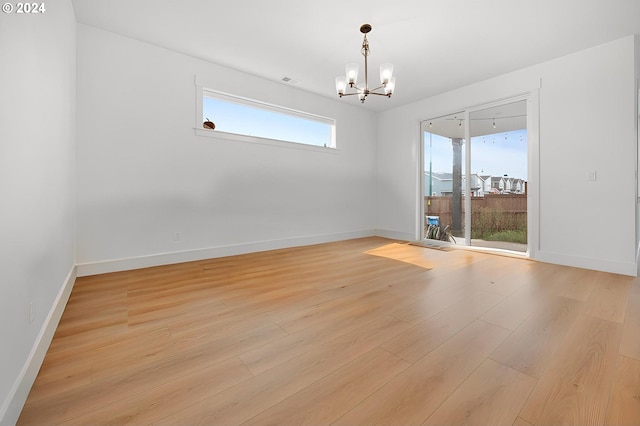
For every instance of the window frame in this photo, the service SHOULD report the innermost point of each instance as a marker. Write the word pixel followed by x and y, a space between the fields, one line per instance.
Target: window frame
pixel 203 91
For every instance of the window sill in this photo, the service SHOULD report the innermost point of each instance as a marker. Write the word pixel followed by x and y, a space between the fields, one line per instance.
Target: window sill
pixel 263 141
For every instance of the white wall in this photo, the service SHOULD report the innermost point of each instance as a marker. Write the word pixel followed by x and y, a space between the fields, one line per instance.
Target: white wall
pixel 586 124
pixel 37 189
pixel 143 174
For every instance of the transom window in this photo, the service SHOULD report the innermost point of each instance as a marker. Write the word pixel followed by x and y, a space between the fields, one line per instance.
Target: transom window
pixel 254 119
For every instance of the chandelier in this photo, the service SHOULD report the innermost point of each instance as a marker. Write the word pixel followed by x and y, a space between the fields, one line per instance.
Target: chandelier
pixel 387 81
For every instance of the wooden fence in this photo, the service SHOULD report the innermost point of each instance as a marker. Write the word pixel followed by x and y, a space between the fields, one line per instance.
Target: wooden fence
pixel 511 206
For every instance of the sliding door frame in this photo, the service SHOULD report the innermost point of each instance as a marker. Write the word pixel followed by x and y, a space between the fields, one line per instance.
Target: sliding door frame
pixel 533 170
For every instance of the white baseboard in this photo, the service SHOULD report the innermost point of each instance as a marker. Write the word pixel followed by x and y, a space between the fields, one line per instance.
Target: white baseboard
pixel 638 252
pixel 395 235
pixel 622 268
pixel 117 265
pixel 22 386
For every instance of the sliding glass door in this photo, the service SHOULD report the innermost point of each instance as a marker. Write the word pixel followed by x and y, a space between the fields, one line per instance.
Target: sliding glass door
pixel 443 178
pixel 499 176
pixel 475 192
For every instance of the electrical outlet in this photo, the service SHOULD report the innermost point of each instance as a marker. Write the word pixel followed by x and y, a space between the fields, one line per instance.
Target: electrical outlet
pixel 32 312
pixel 592 176
pixel 177 236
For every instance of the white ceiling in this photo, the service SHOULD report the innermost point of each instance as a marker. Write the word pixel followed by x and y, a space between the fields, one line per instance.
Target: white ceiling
pixel 435 45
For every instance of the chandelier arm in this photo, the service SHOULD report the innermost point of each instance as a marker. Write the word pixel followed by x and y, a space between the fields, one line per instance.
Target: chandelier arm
pixel 388 95
pixel 356 89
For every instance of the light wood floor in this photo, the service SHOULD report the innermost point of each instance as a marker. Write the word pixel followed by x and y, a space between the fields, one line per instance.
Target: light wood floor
pixel 366 332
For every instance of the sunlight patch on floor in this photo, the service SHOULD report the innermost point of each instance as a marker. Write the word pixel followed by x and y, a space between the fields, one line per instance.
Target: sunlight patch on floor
pixel 405 253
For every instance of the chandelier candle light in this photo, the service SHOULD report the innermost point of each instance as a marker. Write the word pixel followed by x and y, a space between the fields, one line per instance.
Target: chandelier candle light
pixel 387 81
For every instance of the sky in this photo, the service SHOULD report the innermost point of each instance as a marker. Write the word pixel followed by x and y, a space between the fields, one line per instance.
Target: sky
pixel 245 120
pixel 495 155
